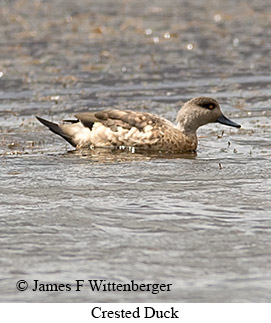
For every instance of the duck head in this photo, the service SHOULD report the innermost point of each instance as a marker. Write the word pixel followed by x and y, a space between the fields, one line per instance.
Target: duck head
pixel 200 111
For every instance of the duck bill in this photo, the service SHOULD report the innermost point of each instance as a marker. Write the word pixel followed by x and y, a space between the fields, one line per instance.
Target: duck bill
pixel 223 120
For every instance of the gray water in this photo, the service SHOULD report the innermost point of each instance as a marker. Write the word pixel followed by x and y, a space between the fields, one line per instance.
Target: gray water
pixel 201 222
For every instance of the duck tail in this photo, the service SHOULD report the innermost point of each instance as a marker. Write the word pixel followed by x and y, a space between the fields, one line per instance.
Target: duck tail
pixel 55 128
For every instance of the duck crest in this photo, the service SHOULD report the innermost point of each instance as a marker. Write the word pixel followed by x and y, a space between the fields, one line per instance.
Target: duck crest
pixel 118 128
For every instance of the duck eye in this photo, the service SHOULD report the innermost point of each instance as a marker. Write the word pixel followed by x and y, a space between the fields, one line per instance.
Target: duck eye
pixel 207 105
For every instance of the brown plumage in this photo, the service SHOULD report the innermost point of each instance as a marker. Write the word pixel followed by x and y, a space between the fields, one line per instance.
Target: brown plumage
pixel 118 128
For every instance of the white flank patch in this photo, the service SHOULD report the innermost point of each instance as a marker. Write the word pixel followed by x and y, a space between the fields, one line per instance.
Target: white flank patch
pixel 102 136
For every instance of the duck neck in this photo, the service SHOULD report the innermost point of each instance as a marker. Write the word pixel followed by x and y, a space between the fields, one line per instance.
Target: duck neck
pixel 186 123
pixel 187 127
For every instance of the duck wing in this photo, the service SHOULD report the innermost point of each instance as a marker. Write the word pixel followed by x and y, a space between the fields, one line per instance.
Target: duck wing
pixel 119 118
pixel 123 127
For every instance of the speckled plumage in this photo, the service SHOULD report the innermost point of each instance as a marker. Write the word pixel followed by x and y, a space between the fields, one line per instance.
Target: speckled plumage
pixel 115 128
